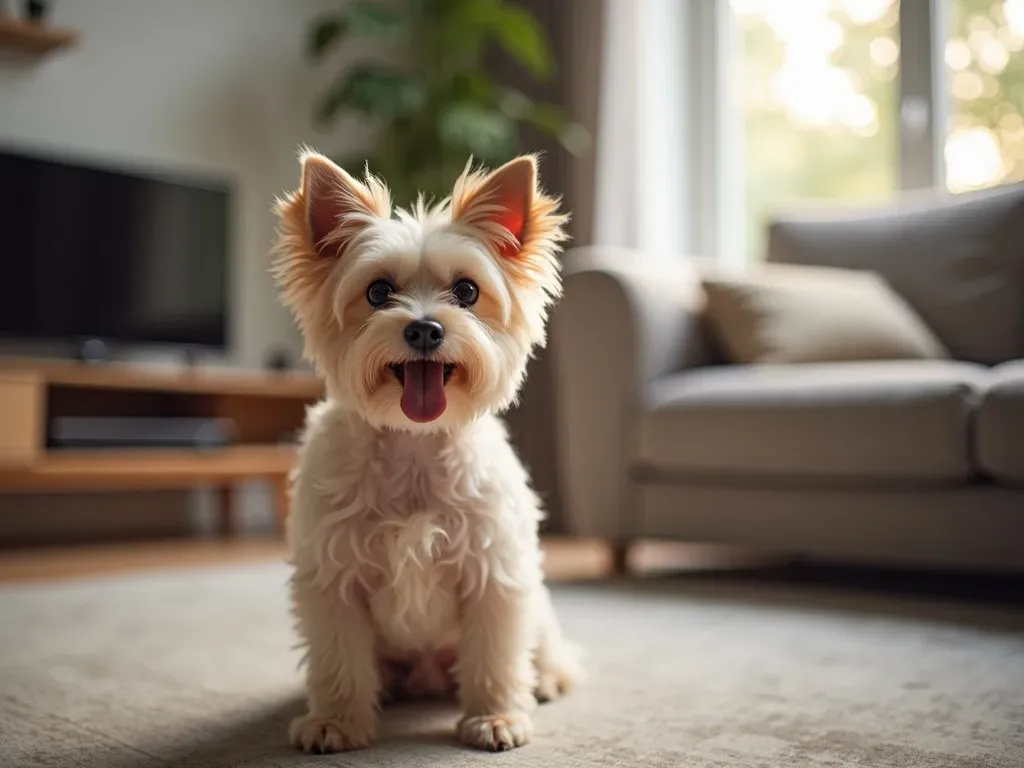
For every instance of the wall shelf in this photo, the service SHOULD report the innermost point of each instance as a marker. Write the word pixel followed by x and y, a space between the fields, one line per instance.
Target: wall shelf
pixel 33 38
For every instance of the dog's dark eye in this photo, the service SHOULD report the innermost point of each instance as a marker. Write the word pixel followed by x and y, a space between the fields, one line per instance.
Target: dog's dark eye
pixel 379 293
pixel 465 292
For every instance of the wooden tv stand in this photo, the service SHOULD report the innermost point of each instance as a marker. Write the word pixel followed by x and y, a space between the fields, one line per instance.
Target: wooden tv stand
pixel 265 408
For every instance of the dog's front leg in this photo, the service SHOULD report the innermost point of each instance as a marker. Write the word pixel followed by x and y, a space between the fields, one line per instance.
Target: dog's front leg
pixel 343 682
pixel 495 671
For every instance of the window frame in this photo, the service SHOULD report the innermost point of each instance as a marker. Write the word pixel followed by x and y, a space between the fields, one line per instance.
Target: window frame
pixel 718 177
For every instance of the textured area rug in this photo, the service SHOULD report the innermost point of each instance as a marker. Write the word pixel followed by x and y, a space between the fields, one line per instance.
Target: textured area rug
pixel 196 668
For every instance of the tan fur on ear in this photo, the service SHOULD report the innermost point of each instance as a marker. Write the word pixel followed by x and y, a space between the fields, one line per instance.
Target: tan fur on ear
pixel 516 217
pixel 337 205
pixel 316 223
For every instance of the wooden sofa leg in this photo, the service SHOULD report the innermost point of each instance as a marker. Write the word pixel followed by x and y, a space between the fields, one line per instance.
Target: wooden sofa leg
pixel 620 557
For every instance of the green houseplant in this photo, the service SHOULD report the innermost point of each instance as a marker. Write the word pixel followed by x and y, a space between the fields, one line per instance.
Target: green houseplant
pixel 431 100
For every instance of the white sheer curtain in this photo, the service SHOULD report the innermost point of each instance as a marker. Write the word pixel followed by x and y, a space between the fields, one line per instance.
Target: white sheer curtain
pixel 663 142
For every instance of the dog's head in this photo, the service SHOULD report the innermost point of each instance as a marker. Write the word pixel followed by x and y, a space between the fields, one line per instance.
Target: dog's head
pixel 425 319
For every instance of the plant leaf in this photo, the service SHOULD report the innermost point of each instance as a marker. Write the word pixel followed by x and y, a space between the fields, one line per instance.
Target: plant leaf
pixel 364 18
pixel 323 34
pixel 555 120
pixel 377 93
pixel 523 38
pixel 515 104
pixel 488 134
pixel 472 86
pixel 374 19
pixel 575 138
pixel 548 118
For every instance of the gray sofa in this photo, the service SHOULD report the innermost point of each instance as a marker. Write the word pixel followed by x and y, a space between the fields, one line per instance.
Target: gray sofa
pixel 916 463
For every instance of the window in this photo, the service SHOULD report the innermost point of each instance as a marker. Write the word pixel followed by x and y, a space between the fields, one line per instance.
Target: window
pixel 853 100
pixel 818 91
pixel 984 58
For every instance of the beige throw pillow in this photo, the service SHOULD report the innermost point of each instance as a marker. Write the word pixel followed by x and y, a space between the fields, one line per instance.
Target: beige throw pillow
pixel 780 313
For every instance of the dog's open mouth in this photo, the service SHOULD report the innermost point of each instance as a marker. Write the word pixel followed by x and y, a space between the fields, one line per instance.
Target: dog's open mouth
pixel 423 396
pixel 399 370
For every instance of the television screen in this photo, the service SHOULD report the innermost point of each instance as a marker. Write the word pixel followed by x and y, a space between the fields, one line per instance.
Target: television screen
pixel 92 252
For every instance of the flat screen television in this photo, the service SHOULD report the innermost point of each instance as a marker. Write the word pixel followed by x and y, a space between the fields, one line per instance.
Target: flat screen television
pixel 94 252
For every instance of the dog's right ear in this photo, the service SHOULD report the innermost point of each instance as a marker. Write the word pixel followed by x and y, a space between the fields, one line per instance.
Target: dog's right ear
pixel 316 223
pixel 337 206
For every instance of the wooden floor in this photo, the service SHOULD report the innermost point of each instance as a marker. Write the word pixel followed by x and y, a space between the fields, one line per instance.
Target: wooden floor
pixel 565 558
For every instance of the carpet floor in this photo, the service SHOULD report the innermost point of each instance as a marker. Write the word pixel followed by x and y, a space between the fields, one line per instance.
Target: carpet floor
pixel 196 668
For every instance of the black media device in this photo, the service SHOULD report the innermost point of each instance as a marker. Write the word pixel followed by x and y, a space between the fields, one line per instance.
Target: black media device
pixel 139 432
pixel 104 257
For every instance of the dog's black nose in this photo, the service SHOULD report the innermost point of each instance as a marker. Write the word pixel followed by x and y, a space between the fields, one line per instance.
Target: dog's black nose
pixel 424 335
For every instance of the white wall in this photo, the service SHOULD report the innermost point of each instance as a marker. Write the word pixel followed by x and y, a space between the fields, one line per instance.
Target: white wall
pixel 216 86
pixel 206 85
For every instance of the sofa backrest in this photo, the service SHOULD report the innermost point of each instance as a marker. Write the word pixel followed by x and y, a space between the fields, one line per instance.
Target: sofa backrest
pixel 957 259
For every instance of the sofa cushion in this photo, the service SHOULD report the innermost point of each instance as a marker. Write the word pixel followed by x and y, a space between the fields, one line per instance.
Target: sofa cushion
pixel 887 420
pixel 786 313
pixel 957 259
pixel 1000 425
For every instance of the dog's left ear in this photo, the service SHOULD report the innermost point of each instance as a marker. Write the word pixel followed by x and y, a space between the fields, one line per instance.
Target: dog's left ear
pixel 523 227
pixel 498 203
pixel 508 208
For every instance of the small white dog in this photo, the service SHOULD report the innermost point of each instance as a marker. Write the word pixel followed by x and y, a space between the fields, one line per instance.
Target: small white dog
pixel 413 529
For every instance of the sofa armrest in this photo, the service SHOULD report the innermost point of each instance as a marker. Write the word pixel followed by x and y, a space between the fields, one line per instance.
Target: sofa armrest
pixel 625 319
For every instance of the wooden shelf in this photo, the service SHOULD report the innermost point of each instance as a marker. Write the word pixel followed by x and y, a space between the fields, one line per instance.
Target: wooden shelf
pixel 156 378
pixel 148 469
pixel 32 37
pixel 264 408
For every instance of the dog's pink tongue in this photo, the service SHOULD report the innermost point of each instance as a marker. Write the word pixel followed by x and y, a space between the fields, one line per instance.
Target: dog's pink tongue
pixel 423 397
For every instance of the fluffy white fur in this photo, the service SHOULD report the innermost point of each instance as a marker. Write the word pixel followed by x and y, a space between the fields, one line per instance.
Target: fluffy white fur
pixel 417 567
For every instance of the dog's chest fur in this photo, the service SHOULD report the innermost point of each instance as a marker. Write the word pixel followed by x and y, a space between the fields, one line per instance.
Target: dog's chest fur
pixel 414 604
pixel 414 523
pixel 413 595
pixel 412 588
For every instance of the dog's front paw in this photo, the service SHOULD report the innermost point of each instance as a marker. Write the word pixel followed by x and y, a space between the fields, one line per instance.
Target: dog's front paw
pixel 556 677
pixel 553 684
pixel 496 733
pixel 323 735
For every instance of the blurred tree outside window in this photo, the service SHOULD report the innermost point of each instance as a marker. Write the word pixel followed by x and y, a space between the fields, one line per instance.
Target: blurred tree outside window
pixel 985 63
pixel 818 87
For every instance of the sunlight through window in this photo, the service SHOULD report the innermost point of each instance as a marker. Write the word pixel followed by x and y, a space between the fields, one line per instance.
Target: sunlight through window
pixel 985 131
pixel 818 101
